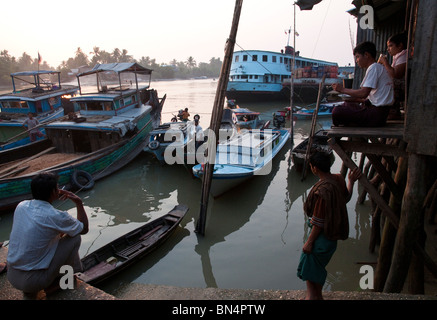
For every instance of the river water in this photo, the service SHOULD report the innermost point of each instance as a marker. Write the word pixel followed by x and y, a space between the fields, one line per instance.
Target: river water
pixel 254 234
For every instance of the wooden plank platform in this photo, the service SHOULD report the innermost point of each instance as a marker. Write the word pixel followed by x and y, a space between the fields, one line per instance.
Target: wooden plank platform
pixel 390 130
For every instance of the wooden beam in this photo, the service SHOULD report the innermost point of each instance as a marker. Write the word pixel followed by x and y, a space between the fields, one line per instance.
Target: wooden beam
pixel 371 190
pixel 393 187
pixel 372 148
pixel 390 214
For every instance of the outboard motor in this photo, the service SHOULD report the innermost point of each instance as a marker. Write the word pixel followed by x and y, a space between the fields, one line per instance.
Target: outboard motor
pixel 279 119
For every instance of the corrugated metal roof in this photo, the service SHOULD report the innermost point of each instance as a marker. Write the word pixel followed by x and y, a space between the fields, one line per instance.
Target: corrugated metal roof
pixel 32 73
pixel 118 67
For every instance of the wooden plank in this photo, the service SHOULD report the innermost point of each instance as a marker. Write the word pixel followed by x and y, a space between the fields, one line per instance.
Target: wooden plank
pixel 371 190
pixel 372 148
pixel 26 160
pixel 390 130
pixel 393 187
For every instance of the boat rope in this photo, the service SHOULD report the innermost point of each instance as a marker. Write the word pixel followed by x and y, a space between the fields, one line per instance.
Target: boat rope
pixel 320 31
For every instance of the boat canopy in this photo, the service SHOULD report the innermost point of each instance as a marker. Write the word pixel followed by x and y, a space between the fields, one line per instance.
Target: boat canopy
pixel 118 68
pixel 33 73
pixel 39 82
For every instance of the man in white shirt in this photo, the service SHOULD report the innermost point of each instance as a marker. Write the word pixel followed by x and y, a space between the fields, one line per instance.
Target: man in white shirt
pixel 200 138
pixel 371 103
pixel 43 238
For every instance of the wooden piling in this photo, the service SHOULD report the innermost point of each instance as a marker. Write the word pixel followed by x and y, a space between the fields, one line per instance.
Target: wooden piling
pixel 216 117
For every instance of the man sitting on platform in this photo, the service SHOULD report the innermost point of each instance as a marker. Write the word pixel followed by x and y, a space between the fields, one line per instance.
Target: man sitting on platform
pixel 369 106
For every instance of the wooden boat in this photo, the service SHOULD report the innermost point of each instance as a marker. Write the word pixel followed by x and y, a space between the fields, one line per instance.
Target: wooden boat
pixel 320 143
pixel 177 135
pixel 129 248
pixel 190 156
pixel 42 94
pixel 247 155
pixel 248 119
pixel 325 111
pixel 109 132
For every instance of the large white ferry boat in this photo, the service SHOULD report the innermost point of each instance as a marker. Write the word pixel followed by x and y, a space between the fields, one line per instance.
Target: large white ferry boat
pixel 265 75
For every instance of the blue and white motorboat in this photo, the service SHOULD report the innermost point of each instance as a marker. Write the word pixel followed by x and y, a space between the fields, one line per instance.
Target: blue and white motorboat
pixel 115 117
pixel 38 92
pixel 325 111
pixel 248 154
pixel 175 134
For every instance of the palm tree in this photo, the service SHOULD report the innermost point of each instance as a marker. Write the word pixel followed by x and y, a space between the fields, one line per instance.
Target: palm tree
pixel 191 63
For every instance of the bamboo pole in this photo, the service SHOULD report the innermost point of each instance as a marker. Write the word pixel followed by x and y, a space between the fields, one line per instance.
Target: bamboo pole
pixel 313 125
pixel 292 79
pixel 42 124
pixel 216 117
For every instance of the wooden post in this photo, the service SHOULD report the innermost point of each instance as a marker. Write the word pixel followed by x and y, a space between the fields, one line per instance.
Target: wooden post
pixel 313 125
pixel 216 117
pixel 389 231
pixel 409 224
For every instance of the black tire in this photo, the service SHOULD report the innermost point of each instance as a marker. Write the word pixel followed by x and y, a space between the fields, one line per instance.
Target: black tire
pixel 82 180
pixel 153 145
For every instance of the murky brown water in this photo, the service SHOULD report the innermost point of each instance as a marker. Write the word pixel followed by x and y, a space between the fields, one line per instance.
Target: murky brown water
pixel 254 234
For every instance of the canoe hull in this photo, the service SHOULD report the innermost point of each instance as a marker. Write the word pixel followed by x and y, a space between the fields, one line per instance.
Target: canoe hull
pixel 129 248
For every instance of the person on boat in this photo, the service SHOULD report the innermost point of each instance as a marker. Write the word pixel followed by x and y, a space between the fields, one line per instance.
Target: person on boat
pixel 200 137
pixel 326 207
pixel 31 123
pixel 370 104
pixel 43 238
pixel 397 48
pixel 185 115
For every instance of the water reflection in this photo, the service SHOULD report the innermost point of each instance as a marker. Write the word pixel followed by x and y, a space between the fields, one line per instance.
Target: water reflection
pixel 223 219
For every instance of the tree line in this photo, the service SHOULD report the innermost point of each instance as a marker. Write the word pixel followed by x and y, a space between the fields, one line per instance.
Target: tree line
pixel 173 70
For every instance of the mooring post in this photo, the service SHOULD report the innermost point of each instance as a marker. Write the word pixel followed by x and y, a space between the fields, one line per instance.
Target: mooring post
pixel 216 118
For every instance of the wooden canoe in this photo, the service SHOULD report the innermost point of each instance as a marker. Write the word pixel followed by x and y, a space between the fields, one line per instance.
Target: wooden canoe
pixel 320 143
pixel 129 248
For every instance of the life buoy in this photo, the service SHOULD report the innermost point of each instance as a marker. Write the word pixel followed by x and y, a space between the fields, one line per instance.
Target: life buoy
pixel 82 180
pixel 153 145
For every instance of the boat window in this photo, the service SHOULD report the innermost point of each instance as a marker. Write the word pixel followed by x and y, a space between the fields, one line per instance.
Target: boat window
pixel 255 57
pixel 54 101
pixel 265 58
pixel 256 77
pixel 107 106
pixel 82 105
pixel 94 105
pixel 14 104
pixel 245 57
pixel 273 58
pixel 244 77
pixel 280 59
pixel 237 58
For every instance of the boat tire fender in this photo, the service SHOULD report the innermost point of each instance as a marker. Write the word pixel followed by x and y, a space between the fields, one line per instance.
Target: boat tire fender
pixel 153 145
pixel 82 180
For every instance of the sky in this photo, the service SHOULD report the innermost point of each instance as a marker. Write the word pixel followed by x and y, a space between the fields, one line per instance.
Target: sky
pixel 173 29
